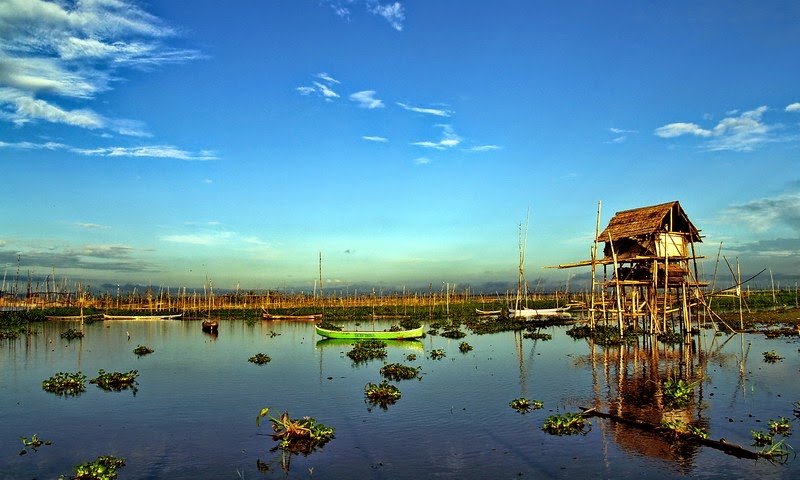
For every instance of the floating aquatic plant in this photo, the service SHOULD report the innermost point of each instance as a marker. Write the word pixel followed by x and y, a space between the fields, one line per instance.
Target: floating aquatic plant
pixel 780 426
pixel 142 350
pixel 453 333
pixel 523 405
pixel 367 350
pixel 104 468
pixel 537 336
pixel 411 357
pixel 259 359
pixel 678 392
pixel 71 334
pixel 62 383
pixel 383 394
pixel 297 435
pixel 761 439
pixel 397 371
pixel 681 429
pixel 464 347
pixel 566 424
pixel 772 357
pixel 437 354
pixel 116 381
pixel 34 443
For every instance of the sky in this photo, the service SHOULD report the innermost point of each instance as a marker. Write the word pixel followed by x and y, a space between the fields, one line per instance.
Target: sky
pixel 408 143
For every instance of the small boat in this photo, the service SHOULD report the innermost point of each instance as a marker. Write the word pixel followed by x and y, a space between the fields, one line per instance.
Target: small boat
pixel 370 334
pixel 141 317
pixel 278 316
pixel 539 312
pixel 210 325
pixel 487 312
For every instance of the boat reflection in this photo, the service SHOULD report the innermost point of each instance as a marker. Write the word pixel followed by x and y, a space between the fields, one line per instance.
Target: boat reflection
pixel 415 345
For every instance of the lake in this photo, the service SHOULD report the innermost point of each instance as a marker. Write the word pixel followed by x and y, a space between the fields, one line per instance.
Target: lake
pixel 194 412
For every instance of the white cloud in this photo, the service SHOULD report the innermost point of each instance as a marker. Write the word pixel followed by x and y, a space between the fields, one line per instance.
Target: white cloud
pixel 375 139
pixel 327 78
pixel 430 111
pixel 766 214
pixel 673 130
pixel 794 107
pixel 325 91
pixel 422 161
pixel 621 130
pixel 739 133
pixel 152 151
pixel 392 12
pixel 366 99
pixel 449 139
pixel 484 148
pixel 92 226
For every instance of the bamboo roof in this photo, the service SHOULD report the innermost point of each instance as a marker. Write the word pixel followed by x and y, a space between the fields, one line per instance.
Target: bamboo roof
pixel 644 221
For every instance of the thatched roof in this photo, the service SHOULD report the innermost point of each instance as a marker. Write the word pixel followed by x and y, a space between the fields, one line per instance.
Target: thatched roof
pixel 644 221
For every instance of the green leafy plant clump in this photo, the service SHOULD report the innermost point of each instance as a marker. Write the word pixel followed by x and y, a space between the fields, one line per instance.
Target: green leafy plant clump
pixel 104 468
pixel 678 393
pixel 464 347
pixel 772 357
pixel 523 405
pixel 781 426
pixel 397 371
pixel 537 336
pixel 367 350
pixel 761 439
pixel 297 435
pixel 437 354
pixel 680 429
pixel 383 394
pixel 566 424
pixel 116 381
pixel 34 443
pixel 68 384
pixel 453 333
pixel 71 334
pixel 259 359
pixel 142 350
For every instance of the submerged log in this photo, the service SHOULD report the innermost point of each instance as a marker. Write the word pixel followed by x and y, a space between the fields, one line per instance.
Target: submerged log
pixel 721 444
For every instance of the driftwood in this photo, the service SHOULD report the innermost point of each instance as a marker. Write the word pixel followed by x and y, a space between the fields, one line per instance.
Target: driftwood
pixel 721 444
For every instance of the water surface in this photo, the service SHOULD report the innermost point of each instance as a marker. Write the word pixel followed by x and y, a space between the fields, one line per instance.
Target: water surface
pixel 193 415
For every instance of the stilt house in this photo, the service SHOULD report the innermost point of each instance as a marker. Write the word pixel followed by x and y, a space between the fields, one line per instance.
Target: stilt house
pixel 654 272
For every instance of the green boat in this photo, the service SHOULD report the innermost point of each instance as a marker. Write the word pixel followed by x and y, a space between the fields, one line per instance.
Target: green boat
pixel 370 334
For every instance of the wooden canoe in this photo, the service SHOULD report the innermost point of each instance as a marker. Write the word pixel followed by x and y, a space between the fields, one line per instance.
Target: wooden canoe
pixel 141 317
pixel 370 334
pixel 210 325
pixel 539 312
pixel 278 316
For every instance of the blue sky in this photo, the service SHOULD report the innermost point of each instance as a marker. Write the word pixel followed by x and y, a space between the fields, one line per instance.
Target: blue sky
pixel 167 142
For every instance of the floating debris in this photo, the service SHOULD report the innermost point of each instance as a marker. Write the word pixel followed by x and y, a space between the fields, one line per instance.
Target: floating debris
pixel 397 371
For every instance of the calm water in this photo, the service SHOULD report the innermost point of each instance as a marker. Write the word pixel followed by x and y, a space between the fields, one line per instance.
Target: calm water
pixel 194 413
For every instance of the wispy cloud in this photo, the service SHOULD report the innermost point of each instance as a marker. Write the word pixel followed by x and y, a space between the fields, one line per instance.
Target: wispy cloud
pixel 366 99
pixel 430 111
pixel 794 107
pixel 449 139
pixel 735 133
pixel 766 214
pixel 392 12
pixel 375 139
pixel 96 226
pixel 484 148
pixel 323 88
pixel 74 50
pixel 422 161
pixel 105 258
pixel 152 151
